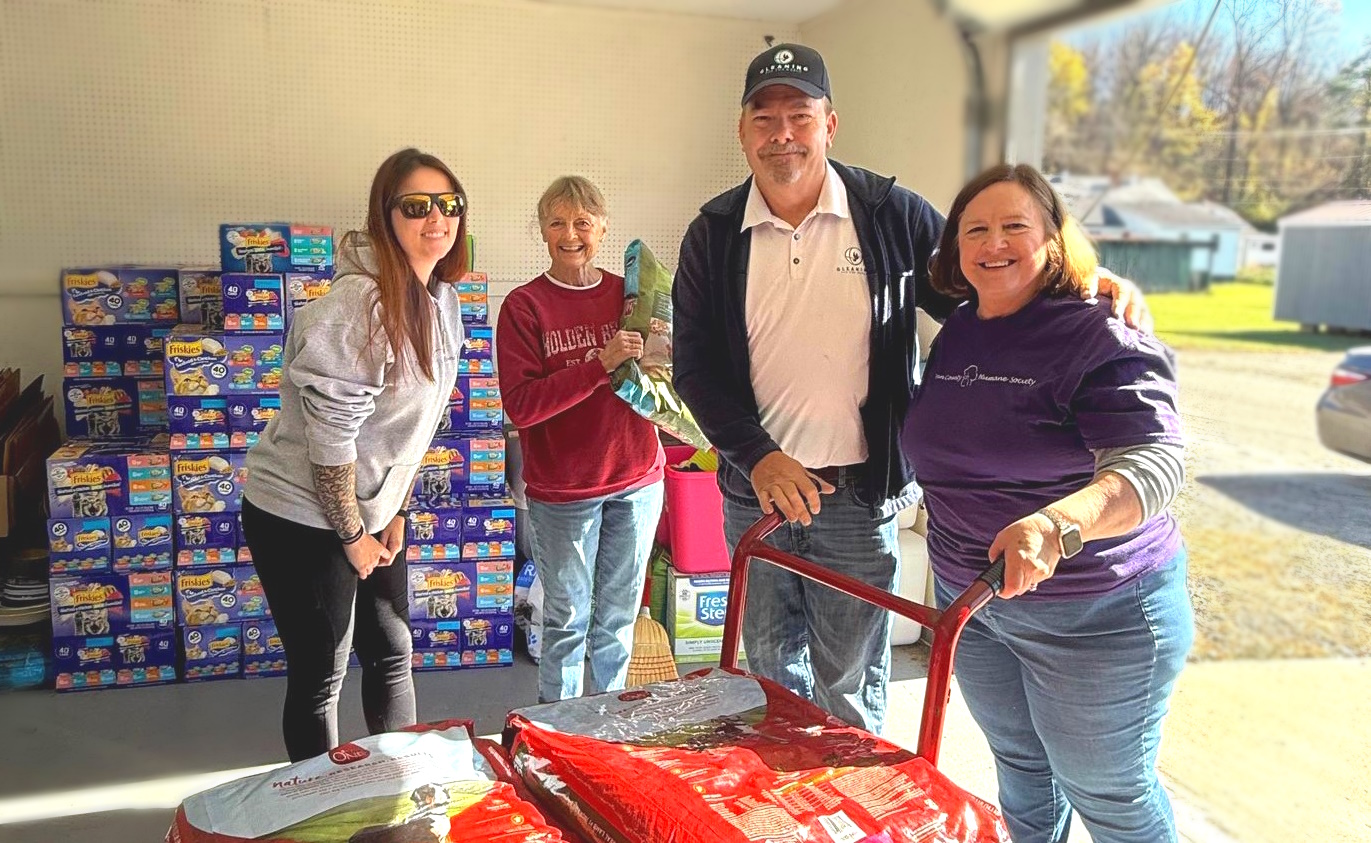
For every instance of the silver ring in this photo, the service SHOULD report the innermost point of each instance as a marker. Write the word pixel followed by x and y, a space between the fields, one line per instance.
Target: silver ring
pixel 1033 587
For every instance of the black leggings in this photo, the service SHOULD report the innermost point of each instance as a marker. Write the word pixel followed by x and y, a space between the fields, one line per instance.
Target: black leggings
pixel 312 590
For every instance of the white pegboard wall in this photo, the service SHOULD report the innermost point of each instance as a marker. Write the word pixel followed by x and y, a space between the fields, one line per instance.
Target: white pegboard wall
pixel 132 128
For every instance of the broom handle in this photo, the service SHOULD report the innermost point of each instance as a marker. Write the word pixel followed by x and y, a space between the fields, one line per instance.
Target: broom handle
pixel 947 625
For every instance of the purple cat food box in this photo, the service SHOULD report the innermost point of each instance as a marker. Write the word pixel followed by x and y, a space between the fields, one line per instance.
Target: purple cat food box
pixel 102 604
pixel 426 525
pixel 125 660
pixel 274 247
pixel 254 362
pixel 263 653
pixel 93 351
pixel 141 542
pixel 113 408
pixel 119 295
pixel 145 658
pixel 453 467
pixel 303 288
pixel 439 591
pixel 79 545
pixel 487 640
pixel 196 415
pixel 250 412
pixel 144 350
pixel 478 345
pixel 95 479
pixel 253 303
pixel 252 599
pixel 214 651
pixel 206 596
pixel 206 538
pixel 201 300
pixel 488 528
pixel 207 482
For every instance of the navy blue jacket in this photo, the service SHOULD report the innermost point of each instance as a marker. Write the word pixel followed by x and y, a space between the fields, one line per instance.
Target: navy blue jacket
pixel 898 232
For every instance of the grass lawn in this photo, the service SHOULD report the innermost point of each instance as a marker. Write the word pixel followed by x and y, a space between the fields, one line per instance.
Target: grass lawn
pixel 1236 316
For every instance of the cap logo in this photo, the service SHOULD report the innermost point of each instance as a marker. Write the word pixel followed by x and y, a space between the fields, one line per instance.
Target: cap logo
pixel 784 57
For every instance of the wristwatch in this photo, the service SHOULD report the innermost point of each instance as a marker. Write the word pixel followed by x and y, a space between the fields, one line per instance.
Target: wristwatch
pixel 1068 533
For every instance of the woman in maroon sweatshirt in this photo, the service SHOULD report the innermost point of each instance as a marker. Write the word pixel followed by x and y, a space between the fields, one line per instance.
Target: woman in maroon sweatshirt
pixel 593 467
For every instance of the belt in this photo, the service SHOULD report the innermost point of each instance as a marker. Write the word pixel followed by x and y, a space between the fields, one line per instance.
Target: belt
pixel 839 475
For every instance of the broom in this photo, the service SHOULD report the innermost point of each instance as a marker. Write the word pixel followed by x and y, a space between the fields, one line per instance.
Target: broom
pixel 651 660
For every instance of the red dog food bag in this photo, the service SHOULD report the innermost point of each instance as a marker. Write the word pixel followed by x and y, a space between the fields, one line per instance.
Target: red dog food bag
pixel 724 757
pixel 425 784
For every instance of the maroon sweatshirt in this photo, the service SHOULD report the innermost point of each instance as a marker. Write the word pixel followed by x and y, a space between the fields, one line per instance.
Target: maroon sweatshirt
pixel 579 439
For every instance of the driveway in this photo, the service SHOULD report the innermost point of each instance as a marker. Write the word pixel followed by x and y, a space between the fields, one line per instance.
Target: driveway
pixel 1270 732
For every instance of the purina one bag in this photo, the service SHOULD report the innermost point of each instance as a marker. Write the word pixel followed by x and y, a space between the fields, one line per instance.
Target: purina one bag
pixel 646 383
pixel 430 783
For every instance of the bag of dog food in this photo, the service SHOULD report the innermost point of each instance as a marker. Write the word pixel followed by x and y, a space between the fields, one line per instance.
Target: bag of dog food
pixel 426 784
pixel 646 383
pixel 724 757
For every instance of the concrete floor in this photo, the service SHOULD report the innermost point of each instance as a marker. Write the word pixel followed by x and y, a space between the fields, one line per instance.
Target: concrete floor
pixel 112 765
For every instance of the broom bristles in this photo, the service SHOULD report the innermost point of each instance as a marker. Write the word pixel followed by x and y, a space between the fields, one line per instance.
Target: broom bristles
pixel 652 660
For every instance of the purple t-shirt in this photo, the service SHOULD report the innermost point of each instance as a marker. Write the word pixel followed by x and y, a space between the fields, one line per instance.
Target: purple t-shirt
pixel 1004 423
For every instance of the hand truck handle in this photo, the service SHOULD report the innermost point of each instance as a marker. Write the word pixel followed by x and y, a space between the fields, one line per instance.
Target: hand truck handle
pixel 947 624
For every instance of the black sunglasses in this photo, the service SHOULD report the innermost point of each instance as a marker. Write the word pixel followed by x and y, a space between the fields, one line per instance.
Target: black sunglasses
pixel 416 206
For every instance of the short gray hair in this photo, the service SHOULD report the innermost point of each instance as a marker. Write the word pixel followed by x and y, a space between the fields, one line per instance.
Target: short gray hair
pixel 575 191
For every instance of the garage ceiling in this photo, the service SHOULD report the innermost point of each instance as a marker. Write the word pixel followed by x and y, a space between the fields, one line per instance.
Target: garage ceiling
pixel 984 14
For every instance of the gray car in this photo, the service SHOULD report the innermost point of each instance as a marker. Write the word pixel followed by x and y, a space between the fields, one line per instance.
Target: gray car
pixel 1344 411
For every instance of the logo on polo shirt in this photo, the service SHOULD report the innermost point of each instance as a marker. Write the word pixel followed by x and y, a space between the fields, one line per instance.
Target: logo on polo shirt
pixel 853 256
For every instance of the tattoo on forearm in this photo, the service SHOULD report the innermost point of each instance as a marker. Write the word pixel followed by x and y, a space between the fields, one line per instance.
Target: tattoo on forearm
pixel 336 486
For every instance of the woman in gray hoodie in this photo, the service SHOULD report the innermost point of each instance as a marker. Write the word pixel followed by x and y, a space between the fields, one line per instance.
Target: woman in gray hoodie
pixel 368 370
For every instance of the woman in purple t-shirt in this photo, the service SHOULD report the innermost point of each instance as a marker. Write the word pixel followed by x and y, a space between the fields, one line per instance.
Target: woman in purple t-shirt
pixel 1045 430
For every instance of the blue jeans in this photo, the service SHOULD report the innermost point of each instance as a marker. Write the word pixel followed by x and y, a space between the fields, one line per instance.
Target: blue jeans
pixel 1071 694
pixel 819 643
pixel 591 556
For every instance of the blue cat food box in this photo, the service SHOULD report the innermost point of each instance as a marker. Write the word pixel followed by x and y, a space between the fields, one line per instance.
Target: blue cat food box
pixel 207 482
pixel 214 651
pixel 141 542
pixel 263 653
pixel 79 545
pixel 126 660
pixel 253 303
pixel 274 247
pixel 206 539
pixel 120 295
pixel 488 528
pixel 96 479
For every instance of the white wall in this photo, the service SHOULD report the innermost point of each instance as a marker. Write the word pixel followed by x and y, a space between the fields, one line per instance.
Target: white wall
pixel 132 128
pixel 899 87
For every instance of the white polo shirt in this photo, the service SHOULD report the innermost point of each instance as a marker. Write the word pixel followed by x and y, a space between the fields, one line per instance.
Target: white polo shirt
pixel 809 328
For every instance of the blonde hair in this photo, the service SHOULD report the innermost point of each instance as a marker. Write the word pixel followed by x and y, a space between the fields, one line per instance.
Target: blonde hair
pixel 1071 259
pixel 575 192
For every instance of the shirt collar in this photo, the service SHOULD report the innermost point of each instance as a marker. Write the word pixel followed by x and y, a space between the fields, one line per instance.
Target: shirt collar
pixel 832 201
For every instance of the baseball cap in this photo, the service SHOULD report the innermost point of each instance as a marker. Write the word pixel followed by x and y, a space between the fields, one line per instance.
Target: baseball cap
pixel 795 65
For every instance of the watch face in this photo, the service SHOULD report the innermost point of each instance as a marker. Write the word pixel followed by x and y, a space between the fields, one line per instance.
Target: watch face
pixel 1071 541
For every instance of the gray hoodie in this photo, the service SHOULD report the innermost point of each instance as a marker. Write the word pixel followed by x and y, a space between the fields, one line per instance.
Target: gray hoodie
pixel 344 400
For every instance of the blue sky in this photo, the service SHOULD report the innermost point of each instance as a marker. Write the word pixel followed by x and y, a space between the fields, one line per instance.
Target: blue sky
pixel 1354 26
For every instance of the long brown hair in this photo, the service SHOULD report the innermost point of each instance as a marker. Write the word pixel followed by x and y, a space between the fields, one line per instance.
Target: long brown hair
pixel 405 314
pixel 1071 260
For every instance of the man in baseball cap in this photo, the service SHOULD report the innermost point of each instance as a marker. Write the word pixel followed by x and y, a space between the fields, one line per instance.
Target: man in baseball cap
pixel 797 351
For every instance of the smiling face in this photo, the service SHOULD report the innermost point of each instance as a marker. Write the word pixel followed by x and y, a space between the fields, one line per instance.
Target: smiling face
pixel 573 236
pixel 785 135
pixel 1002 243
pixel 428 240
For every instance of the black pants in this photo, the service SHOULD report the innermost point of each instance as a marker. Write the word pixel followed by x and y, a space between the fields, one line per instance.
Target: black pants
pixel 313 591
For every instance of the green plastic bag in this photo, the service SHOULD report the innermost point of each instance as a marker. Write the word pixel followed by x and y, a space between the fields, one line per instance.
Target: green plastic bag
pixel 646 383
